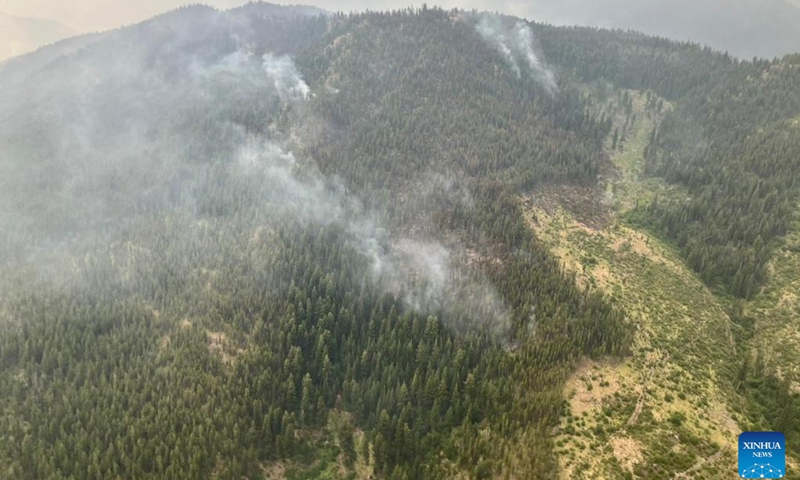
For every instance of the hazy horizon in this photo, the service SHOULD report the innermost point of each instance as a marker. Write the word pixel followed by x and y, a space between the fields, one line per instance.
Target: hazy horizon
pixel 106 14
pixel 745 28
pixel 279 242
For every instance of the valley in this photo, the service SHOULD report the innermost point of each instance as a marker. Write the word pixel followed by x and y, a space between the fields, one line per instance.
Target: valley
pixel 437 244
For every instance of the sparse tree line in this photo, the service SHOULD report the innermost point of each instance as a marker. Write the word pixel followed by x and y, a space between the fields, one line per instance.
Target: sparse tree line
pixel 205 342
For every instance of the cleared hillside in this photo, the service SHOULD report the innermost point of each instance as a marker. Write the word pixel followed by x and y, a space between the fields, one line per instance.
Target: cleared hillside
pixel 417 244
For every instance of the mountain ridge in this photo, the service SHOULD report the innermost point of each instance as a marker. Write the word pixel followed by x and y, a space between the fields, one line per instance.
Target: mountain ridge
pixel 413 244
pixel 22 35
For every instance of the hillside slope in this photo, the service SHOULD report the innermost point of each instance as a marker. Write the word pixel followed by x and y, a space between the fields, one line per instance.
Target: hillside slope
pixel 676 407
pixel 665 412
pixel 267 243
pixel 417 244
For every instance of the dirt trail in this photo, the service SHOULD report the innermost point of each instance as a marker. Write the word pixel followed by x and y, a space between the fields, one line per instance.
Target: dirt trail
pixel 660 359
pixel 700 463
pixel 637 411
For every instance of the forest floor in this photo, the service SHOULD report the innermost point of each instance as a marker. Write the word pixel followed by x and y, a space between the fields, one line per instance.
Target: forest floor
pixel 662 412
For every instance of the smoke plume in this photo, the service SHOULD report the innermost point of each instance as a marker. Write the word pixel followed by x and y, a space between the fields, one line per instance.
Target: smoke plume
pixel 515 42
pixel 202 135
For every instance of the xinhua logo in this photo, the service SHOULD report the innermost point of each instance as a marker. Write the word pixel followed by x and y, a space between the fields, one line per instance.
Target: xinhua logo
pixel 762 455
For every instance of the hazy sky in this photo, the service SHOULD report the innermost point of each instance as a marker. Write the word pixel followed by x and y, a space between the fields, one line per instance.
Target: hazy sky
pixel 743 27
pixel 88 15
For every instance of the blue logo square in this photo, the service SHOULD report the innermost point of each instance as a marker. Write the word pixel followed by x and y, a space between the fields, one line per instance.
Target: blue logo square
pixel 762 455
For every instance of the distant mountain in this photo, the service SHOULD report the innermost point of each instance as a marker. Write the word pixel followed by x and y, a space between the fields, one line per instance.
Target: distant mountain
pixel 22 35
pixel 14 70
pixel 100 15
pixel 272 9
pixel 745 28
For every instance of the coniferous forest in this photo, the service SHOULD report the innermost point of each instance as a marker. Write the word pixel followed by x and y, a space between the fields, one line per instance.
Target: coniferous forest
pixel 234 240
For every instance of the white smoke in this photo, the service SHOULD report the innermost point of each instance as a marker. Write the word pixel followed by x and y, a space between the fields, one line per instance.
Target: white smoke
pixel 516 43
pixel 489 31
pixel 421 269
pixel 283 190
pixel 524 38
pixel 280 70
pixel 425 274
pixel 234 63
pixel 229 166
pixel 287 79
pixel 429 278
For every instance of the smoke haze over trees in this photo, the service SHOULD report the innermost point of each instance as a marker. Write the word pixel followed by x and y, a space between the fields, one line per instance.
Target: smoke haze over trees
pixel 745 28
pixel 234 239
pixel 223 194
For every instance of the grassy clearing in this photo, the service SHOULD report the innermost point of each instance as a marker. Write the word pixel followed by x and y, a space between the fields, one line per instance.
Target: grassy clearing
pixel 662 413
pixel 669 390
pixel 630 186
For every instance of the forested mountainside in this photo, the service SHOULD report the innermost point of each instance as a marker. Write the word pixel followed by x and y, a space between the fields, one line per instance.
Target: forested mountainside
pixel 731 141
pixel 265 244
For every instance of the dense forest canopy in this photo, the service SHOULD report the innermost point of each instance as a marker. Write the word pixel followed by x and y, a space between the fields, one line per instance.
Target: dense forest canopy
pixel 731 140
pixel 235 238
